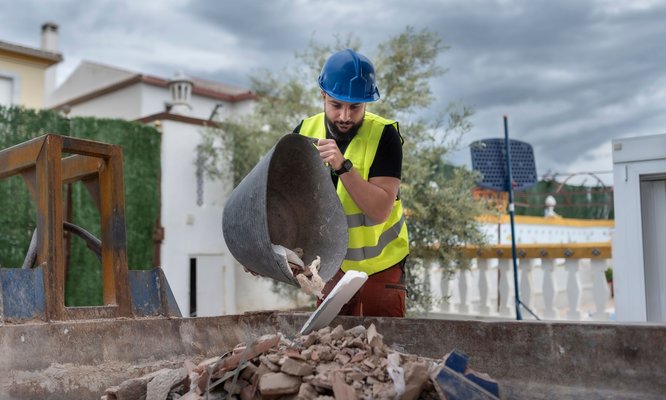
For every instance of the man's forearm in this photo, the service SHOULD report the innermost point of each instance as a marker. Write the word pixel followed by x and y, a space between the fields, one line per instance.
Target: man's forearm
pixel 375 198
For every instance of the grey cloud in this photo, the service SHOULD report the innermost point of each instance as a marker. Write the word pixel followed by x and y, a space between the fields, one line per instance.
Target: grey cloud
pixel 571 74
pixel 270 26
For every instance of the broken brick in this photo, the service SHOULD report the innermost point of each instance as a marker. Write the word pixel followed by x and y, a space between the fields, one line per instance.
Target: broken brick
pixel 347 364
pixel 416 374
pixel 297 368
pixel 325 339
pixel 337 333
pixel 269 364
pixel 374 338
pixel 357 331
pixel 306 392
pixel 342 358
pixel 341 389
pixel 325 354
pixel 274 358
pixel 278 383
pixel 319 382
pixel 159 387
pixel 358 357
pixel 310 339
pixel 293 353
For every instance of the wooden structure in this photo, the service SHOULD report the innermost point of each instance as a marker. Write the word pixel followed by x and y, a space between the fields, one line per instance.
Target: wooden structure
pixel 48 162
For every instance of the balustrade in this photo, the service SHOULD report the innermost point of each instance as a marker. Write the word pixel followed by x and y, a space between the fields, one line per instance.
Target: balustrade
pixel 556 281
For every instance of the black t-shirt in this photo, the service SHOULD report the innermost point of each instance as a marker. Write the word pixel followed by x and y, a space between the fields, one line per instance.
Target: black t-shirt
pixel 388 160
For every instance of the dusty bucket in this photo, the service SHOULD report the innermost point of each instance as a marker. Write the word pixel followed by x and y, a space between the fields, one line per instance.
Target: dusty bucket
pixel 287 199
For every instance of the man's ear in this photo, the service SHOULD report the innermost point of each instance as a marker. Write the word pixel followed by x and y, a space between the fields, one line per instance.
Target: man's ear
pixel 323 95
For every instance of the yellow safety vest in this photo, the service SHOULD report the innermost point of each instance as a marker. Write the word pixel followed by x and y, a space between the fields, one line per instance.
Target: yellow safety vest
pixel 372 247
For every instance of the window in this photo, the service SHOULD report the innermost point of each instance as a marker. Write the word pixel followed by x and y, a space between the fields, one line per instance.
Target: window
pixel 6 90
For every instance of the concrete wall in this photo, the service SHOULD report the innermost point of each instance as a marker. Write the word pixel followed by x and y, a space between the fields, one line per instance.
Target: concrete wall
pixel 530 360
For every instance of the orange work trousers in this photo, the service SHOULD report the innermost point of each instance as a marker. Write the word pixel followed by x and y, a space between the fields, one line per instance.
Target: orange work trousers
pixel 382 295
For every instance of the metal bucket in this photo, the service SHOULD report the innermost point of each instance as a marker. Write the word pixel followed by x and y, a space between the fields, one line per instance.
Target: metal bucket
pixel 287 199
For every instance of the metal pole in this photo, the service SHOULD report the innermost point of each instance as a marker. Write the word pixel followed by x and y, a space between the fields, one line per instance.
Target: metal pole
pixel 511 215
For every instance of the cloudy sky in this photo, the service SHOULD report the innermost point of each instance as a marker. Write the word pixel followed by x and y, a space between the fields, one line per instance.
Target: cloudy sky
pixel 571 74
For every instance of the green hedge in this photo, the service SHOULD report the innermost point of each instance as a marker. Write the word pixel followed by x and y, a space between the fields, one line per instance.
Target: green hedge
pixel 141 170
pixel 573 201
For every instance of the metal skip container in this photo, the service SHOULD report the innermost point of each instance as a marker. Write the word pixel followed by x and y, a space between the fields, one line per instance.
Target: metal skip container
pixel 287 199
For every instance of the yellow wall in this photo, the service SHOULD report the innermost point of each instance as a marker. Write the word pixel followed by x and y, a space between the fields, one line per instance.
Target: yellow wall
pixel 527 220
pixel 30 75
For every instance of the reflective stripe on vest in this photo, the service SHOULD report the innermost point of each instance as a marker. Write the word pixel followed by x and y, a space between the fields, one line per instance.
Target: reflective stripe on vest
pixel 372 247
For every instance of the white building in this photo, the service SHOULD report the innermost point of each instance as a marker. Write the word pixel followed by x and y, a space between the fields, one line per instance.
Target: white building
pixel 27 74
pixel 639 254
pixel 203 276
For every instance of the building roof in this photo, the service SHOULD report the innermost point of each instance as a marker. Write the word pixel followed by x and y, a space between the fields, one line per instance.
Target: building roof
pixel 42 56
pixel 176 117
pixel 119 79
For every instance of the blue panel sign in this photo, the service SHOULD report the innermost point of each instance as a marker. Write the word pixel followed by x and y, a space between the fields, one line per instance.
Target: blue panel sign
pixel 489 158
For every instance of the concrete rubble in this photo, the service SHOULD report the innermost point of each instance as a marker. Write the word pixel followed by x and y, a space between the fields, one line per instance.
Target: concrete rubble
pixel 325 364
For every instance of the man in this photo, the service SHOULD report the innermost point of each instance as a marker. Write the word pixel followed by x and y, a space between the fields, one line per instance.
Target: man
pixel 364 152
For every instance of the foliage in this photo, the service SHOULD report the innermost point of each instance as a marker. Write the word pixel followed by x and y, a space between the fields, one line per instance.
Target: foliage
pixel 436 195
pixel 573 201
pixel 141 168
pixel 17 215
pixel 608 273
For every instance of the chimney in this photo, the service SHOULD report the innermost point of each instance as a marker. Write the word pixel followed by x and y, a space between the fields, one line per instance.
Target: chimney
pixel 180 87
pixel 50 43
pixel 50 37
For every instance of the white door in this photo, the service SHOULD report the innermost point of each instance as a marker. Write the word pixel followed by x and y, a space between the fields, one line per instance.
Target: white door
pixel 215 293
pixel 653 210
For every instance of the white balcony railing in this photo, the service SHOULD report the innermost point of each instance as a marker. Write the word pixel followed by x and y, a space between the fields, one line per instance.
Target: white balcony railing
pixel 556 281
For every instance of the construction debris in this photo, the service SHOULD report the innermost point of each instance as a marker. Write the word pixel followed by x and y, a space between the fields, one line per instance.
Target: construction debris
pixel 291 257
pixel 306 276
pixel 310 281
pixel 346 287
pixel 325 364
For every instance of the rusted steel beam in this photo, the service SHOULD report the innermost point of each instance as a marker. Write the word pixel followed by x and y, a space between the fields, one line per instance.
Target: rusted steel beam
pixel 78 167
pixel 86 147
pixel 601 250
pixel 30 178
pixel 19 157
pixel 99 166
pixel 49 225
pixel 114 249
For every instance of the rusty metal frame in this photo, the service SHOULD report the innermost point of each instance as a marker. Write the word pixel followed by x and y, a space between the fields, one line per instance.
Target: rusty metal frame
pixel 99 166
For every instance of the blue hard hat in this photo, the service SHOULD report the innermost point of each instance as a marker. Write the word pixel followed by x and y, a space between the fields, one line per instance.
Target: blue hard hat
pixel 349 76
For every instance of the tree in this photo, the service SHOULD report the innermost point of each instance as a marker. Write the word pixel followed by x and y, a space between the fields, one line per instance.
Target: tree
pixel 437 196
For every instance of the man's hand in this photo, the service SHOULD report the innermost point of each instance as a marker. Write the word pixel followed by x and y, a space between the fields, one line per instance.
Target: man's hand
pixel 330 153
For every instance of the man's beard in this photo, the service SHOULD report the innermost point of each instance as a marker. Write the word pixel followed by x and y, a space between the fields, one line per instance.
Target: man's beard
pixel 339 135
